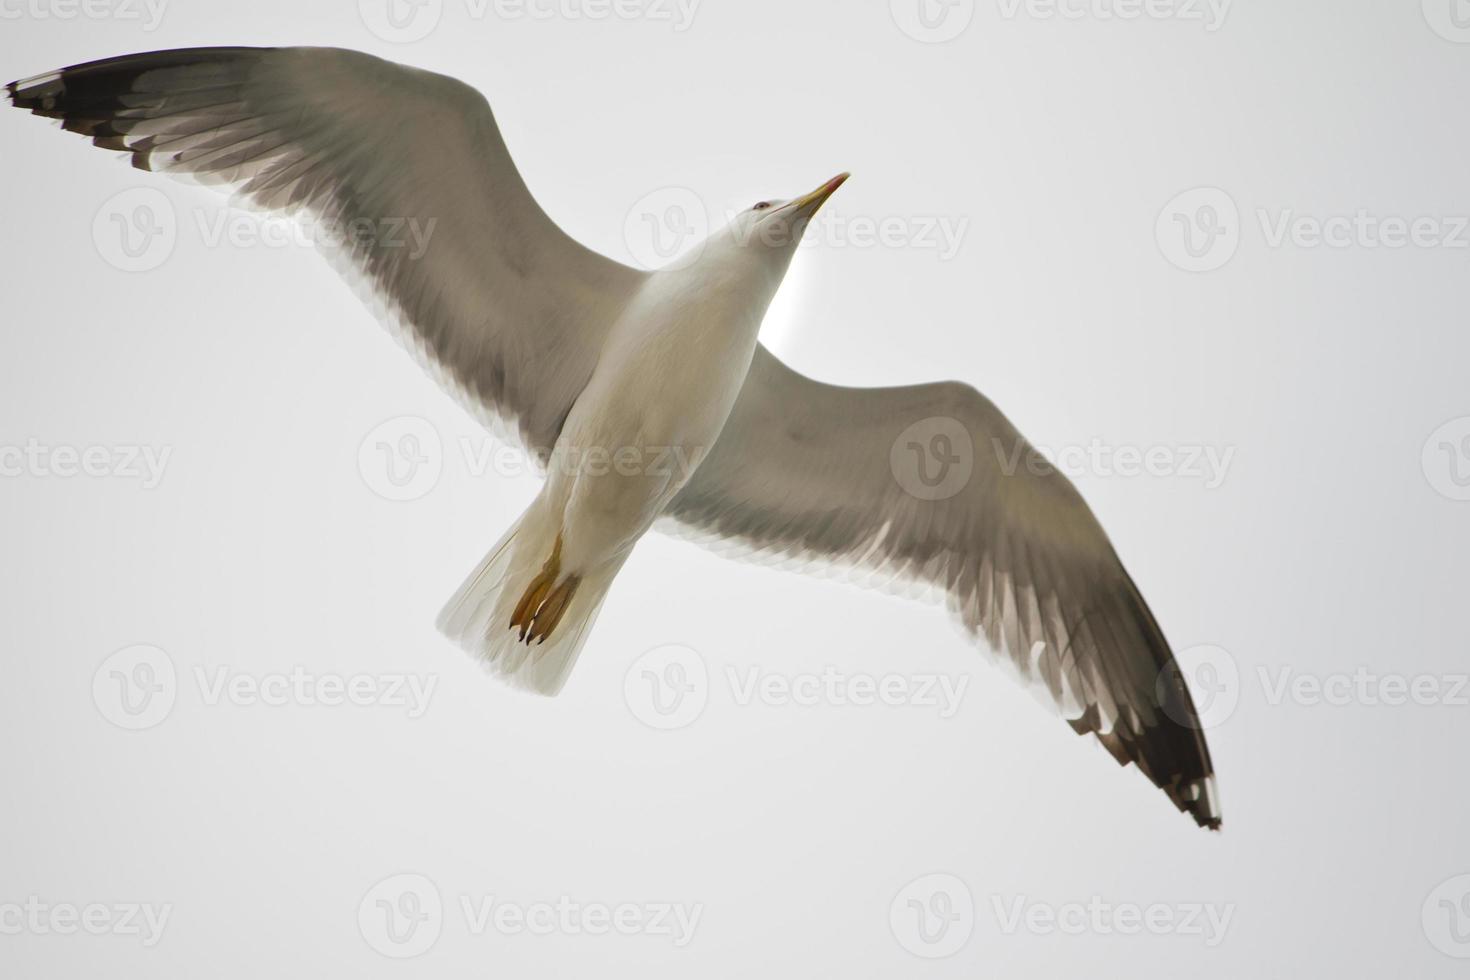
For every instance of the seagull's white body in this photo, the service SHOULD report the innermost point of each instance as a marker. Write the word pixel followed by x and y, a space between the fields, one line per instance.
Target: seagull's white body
pixel 672 367
pixel 647 395
pixel 675 361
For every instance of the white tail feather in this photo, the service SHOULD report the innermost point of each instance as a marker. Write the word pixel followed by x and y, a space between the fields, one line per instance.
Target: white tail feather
pixel 478 617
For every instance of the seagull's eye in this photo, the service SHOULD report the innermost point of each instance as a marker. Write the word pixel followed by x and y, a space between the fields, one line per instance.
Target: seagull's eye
pixel 762 205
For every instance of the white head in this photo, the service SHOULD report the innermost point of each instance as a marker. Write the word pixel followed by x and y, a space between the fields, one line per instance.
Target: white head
pixel 779 225
pixel 766 233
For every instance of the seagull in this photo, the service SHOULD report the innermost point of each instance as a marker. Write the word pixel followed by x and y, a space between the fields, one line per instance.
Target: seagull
pixel 645 395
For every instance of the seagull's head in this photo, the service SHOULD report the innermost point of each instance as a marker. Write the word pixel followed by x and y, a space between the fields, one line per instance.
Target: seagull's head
pixel 775 228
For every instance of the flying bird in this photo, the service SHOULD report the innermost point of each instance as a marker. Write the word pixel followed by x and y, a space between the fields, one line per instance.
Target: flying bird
pixel 645 395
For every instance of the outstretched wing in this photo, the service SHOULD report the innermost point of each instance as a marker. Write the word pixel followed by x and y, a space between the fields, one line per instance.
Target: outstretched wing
pixel 508 309
pixel 932 483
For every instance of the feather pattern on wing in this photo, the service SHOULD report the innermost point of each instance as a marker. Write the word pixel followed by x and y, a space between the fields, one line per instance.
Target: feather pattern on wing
pixel 501 303
pixel 814 473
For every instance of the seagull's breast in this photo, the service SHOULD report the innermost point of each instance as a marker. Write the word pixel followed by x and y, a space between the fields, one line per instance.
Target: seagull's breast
pixel 657 401
pixel 673 365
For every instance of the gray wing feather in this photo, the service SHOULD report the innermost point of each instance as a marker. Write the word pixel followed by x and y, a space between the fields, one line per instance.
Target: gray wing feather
pixel 509 309
pixel 806 472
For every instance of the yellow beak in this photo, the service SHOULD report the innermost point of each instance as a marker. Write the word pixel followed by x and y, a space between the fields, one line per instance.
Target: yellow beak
pixel 813 202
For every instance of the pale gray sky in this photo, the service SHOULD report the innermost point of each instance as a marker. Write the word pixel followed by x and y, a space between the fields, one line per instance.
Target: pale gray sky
pixel 1212 256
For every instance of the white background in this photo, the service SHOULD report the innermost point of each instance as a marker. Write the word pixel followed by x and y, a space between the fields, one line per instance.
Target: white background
pixel 1332 544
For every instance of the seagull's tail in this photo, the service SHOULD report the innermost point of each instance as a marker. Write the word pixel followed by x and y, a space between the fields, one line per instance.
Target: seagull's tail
pixel 520 613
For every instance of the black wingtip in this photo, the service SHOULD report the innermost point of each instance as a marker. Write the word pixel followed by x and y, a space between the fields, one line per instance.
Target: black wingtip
pixel 1195 795
pixel 1201 800
pixel 33 93
pixel 12 93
